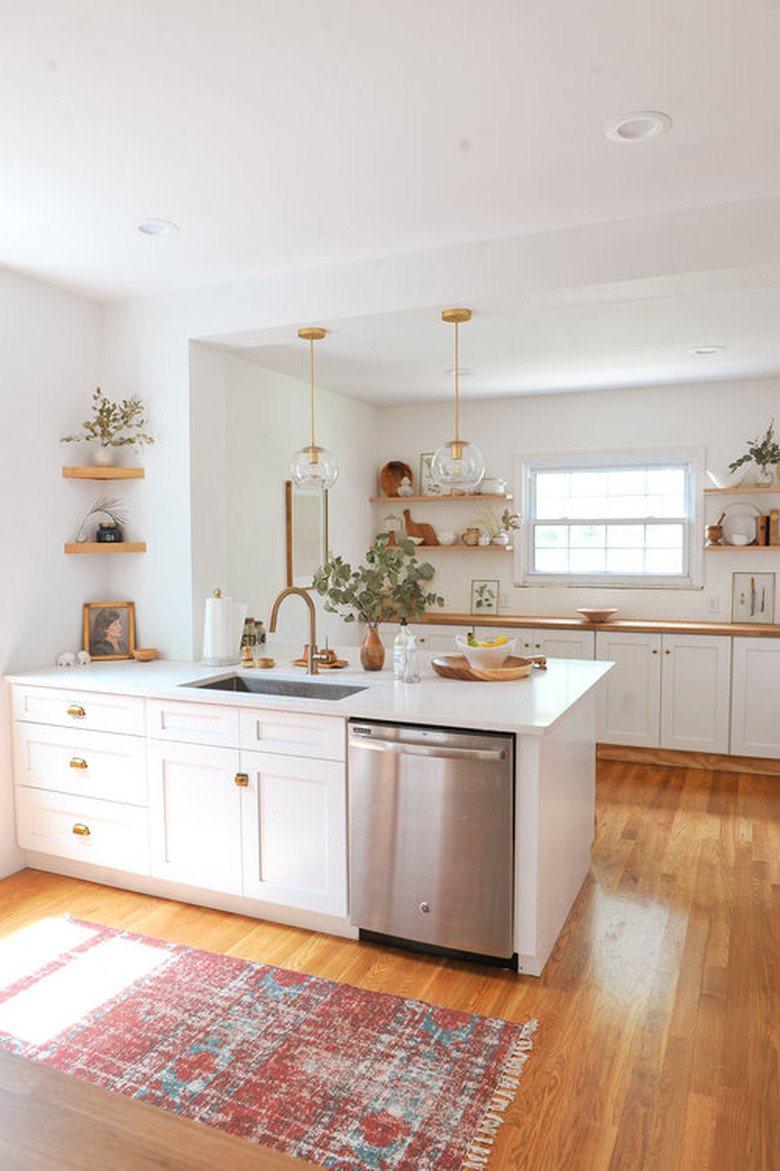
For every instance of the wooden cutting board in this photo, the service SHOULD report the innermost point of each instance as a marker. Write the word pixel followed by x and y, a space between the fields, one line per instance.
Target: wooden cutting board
pixel 457 667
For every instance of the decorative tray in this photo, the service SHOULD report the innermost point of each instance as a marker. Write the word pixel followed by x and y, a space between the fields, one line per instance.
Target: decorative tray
pixel 457 667
pixel 321 666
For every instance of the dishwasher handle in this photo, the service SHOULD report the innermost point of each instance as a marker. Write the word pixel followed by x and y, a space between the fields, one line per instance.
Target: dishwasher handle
pixel 441 751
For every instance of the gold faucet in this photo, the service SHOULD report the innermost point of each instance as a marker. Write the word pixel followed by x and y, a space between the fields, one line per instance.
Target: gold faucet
pixel 312 654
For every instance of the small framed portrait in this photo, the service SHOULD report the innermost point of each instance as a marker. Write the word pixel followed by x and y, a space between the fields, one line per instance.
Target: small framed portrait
pixel 109 630
pixel 753 597
pixel 484 597
pixel 428 485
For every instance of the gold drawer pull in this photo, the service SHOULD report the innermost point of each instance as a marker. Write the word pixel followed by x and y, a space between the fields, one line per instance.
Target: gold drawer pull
pixel 83 831
pixel 76 709
pixel 78 762
pixel 242 780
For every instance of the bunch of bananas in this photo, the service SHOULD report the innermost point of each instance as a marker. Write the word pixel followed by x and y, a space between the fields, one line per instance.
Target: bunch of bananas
pixel 472 641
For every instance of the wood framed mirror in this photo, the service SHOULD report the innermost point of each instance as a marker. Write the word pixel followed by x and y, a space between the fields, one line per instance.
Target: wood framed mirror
pixel 306 512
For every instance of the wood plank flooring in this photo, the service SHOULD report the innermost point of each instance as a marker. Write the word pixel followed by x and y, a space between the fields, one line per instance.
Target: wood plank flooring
pixel 658 1037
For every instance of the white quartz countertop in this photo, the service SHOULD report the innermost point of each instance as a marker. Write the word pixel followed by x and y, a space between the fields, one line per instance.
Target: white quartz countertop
pixel 531 705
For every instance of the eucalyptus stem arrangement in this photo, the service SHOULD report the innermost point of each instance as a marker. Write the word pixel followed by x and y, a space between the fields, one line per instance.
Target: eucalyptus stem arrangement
pixel 105 506
pixel 114 424
pixel 763 452
pixel 390 585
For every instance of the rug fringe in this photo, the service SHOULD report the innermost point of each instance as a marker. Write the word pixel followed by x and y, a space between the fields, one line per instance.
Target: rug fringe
pixel 481 1146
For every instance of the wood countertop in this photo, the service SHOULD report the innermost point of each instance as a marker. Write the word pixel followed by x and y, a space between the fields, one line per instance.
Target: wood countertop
pixel 643 625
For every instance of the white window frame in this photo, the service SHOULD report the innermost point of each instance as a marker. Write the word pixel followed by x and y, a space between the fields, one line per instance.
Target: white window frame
pixel 525 467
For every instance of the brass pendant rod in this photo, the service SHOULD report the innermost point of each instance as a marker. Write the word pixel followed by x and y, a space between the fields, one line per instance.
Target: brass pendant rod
pixel 311 334
pixel 457 387
pixel 311 394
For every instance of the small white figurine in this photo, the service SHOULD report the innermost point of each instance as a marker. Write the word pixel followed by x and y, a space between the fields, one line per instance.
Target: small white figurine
pixel 66 659
pixel 83 658
pixel 405 487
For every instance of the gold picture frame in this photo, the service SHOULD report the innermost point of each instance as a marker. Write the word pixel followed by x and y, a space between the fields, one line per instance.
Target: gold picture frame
pixel 109 630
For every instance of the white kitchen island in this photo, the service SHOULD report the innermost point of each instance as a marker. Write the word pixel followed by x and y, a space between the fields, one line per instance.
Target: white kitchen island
pixel 130 774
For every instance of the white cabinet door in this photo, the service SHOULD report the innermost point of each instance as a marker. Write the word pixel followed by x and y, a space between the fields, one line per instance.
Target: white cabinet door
pixel 755 716
pixel 195 815
pixel 695 692
pixel 629 703
pixel 556 644
pixel 295 832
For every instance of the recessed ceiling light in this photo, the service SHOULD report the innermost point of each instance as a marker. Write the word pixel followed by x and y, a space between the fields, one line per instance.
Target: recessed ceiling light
pixel 155 227
pixel 707 351
pixel 638 126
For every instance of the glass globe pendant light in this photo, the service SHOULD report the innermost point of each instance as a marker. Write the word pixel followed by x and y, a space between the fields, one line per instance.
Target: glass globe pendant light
pixel 313 466
pixel 458 464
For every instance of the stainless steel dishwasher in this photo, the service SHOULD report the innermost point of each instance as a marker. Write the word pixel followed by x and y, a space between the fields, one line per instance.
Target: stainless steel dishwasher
pixel 431 816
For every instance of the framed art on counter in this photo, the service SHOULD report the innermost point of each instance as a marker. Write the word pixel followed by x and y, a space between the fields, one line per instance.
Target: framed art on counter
pixel 109 630
pixel 753 597
pixel 484 597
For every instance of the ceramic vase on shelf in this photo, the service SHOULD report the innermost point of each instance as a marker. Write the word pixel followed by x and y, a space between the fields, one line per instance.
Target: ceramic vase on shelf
pixel 372 650
pixel 104 456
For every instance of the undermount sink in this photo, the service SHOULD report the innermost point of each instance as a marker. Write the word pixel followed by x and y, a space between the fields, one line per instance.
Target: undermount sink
pixel 301 688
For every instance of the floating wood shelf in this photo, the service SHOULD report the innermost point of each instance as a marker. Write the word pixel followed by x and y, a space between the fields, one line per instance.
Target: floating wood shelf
pixel 466 548
pixel 748 491
pixel 742 548
pixel 105 547
pixel 471 496
pixel 93 472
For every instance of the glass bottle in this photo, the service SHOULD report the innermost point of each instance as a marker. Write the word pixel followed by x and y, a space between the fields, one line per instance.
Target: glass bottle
pixel 412 661
pixel 400 644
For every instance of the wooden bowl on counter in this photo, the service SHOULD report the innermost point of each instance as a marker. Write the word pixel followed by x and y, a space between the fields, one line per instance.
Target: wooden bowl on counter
pixel 597 615
pixel 145 654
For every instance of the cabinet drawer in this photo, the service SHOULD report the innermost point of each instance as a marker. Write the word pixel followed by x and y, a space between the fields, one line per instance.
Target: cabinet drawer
pixel 88 764
pixel 79 709
pixel 104 833
pixel 294 734
pixel 193 723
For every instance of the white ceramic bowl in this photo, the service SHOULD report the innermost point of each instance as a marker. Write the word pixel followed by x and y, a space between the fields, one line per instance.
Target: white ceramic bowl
pixel 447 537
pixel 485 658
pixel 739 539
pixel 727 479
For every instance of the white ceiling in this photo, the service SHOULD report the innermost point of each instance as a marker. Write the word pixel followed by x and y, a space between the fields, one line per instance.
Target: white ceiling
pixel 287 136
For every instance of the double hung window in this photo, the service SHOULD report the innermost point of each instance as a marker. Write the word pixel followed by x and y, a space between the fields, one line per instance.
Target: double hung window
pixel 611 519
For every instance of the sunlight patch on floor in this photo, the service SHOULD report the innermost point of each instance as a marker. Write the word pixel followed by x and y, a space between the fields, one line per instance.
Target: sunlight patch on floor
pixel 57 1001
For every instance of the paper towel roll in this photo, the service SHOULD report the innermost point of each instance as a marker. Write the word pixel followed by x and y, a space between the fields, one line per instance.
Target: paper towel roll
pixel 222 628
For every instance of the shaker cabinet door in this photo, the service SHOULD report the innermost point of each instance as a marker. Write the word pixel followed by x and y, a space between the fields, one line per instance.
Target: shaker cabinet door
pixel 295 832
pixel 755 726
pixel 629 703
pixel 195 815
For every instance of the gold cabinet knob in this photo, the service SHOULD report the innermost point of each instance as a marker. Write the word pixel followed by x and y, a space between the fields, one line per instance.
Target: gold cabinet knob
pixel 81 830
pixel 78 762
pixel 76 709
pixel 242 780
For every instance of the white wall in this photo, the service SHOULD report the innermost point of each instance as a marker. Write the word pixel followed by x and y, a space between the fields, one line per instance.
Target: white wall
pixel 719 416
pixel 49 350
pixel 246 426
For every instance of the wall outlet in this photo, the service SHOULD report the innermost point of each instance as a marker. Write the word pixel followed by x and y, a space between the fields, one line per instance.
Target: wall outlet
pixel 713 604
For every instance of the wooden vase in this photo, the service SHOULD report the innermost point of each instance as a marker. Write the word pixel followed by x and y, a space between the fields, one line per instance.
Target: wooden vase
pixel 372 650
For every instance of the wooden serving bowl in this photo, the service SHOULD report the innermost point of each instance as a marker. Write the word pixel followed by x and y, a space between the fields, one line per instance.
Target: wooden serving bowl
pixel 457 667
pixel 145 654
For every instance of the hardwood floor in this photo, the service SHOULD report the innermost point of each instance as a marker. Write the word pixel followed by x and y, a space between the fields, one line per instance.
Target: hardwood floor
pixel 658 1011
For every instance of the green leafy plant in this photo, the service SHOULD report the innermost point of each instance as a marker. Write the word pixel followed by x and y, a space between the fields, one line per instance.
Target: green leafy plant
pixel 392 584
pixel 762 452
pixel 113 424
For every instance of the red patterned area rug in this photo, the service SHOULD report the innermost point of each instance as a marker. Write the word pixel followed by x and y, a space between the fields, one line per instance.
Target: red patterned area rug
pixel 326 1072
